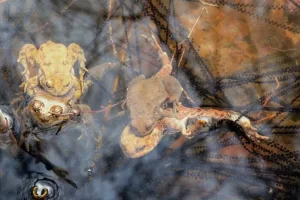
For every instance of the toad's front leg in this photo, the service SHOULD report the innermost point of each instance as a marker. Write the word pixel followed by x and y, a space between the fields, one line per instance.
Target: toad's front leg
pixel 245 123
pixel 80 89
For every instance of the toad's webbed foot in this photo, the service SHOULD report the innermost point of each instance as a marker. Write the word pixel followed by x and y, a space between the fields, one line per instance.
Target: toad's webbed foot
pixel 252 133
pixel 245 123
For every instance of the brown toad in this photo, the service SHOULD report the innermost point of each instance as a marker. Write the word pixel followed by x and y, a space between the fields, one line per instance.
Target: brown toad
pixel 146 98
pixel 135 146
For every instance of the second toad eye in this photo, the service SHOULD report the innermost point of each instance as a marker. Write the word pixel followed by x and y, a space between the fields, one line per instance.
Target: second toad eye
pixel 67 84
pixel 37 105
pixel 49 84
pixel 57 109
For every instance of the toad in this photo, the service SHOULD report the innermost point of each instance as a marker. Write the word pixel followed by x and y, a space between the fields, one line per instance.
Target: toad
pixel 148 99
pixel 55 70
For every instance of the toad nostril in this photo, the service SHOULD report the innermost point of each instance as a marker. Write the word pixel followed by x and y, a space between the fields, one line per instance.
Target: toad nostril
pixel 37 105
pixel 57 109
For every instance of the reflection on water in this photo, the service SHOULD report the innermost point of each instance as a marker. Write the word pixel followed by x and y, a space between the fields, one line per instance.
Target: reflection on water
pixel 37 186
pixel 232 55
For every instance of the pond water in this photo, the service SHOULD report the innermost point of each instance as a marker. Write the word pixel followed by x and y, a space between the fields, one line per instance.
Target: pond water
pixel 227 55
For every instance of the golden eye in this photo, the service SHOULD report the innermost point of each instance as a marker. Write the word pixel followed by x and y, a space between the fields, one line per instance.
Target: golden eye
pixel 49 84
pixel 56 109
pixel 67 85
pixel 37 105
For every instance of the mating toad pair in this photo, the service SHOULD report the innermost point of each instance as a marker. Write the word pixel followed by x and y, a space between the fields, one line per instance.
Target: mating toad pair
pixel 153 103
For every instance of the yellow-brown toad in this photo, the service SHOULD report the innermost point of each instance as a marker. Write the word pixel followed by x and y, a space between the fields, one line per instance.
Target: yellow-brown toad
pixel 50 69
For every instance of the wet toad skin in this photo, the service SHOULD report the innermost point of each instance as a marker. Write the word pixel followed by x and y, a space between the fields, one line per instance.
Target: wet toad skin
pixel 146 98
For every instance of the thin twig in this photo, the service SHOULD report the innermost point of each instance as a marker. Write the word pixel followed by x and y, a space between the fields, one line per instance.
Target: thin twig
pixel 172 58
pixel 208 4
pixel 54 18
pixel 103 110
pixel 281 50
pixel 267 101
pixel 181 57
pixel 188 97
pixel 195 24
pixel 110 30
pixel 277 86
pixel 265 119
pixel 92 111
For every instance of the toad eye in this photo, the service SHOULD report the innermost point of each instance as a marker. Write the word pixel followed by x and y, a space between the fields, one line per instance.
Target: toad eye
pixel 56 109
pixel 49 84
pixel 67 85
pixel 37 105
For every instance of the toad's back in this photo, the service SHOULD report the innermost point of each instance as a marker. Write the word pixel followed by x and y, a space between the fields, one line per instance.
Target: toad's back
pixel 144 96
